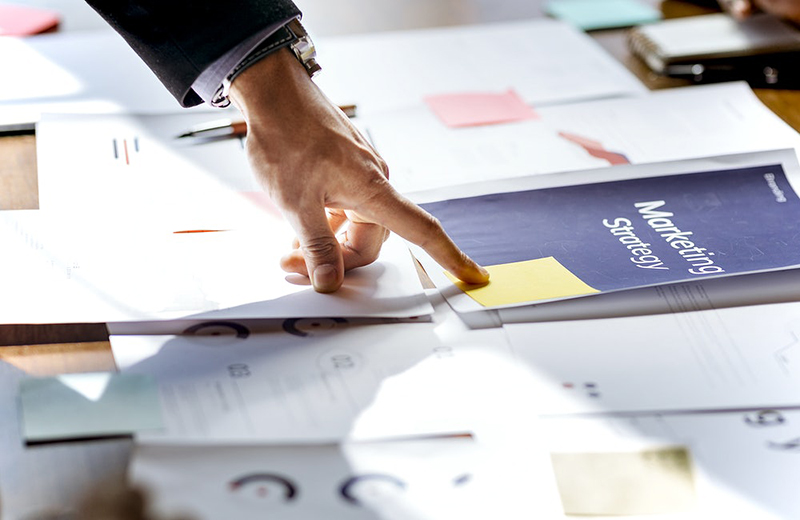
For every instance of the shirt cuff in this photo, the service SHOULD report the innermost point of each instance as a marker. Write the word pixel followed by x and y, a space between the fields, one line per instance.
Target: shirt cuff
pixel 210 80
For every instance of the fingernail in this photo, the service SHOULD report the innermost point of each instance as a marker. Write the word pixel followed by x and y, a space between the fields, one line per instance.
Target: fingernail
pixel 483 271
pixel 739 7
pixel 325 278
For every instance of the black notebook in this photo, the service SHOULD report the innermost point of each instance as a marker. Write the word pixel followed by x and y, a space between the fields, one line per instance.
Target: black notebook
pixel 761 48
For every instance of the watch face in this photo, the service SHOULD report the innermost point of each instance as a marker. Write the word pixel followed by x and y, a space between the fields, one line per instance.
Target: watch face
pixel 292 35
pixel 303 48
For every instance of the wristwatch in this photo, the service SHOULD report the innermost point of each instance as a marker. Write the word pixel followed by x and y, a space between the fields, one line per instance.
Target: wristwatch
pixel 292 35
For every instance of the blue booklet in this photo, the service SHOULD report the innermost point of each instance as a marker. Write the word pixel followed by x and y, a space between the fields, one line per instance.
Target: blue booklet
pixel 568 241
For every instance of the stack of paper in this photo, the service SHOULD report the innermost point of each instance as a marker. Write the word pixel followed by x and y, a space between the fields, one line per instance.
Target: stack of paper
pixel 412 479
pixel 561 236
pixel 199 201
pixel 545 61
pixel 73 267
pixel 382 400
pixel 665 126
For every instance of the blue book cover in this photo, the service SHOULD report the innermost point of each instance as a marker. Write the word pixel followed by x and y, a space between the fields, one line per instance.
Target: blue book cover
pixel 575 240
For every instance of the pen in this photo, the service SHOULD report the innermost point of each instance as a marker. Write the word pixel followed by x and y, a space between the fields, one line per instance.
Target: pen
pixel 185 231
pixel 18 129
pixel 231 128
pixel 217 128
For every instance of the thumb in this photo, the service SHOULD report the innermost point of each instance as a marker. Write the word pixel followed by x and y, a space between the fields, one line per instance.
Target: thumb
pixel 321 251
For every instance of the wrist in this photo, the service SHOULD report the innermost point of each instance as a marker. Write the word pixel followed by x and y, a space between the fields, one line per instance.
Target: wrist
pixel 293 36
pixel 273 88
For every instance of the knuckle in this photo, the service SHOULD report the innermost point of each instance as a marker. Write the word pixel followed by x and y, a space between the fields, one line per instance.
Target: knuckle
pixel 322 247
pixel 376 194
pixel 363 257
pixel 383 166
pixel 379 185
pixel 371 254
pixel 431 230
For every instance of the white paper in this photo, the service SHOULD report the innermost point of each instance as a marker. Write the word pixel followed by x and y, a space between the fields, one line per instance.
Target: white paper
pixel 734 358
pixel 743 461
pixel 545 61
pixel 72 267
pixel 323 380
pixel 741 464
pixel 134 170
pixel 92 72
pixel 80 72
pixel 715 293
pixel 702 121
pixel 134 167
pixel 414 479
pixel 462 303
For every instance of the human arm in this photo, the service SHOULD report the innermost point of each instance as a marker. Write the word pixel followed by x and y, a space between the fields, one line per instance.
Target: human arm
pixel 180 39
pixel 789 9
pixel 309 157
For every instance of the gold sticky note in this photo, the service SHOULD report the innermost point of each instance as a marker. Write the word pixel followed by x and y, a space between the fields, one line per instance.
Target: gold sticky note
pixel 528 281
pixel 649 482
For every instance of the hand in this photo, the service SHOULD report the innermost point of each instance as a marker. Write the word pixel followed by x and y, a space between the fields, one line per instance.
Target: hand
pixel 740 9
pixel 789 9
pixel 326 177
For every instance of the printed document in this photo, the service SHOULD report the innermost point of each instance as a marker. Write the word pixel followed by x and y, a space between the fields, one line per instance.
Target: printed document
pixel 665 125
pixel 711 360
pixel 546 61
pixel 561 236
pixel 67 267
pixel 322 380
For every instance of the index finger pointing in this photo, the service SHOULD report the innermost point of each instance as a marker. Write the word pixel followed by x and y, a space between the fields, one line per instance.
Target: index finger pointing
pixel 416 225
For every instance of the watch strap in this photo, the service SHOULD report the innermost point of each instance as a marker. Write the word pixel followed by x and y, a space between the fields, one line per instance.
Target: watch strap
pixel 292 35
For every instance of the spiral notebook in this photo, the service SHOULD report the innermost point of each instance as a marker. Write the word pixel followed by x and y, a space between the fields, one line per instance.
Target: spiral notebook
pixel 675 47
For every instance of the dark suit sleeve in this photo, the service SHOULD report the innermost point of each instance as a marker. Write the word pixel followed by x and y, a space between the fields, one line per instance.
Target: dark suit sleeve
pixel 178 39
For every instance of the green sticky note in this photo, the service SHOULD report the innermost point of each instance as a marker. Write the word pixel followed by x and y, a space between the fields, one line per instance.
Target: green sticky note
pixel 80 406
pixel 602 14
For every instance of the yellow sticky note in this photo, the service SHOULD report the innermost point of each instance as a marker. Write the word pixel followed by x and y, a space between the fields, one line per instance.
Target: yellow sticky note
pixel 528 281
pixel 650 482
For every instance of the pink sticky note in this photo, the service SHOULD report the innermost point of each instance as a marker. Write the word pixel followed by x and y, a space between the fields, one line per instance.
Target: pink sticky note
pixel 479 108
pixel 17 20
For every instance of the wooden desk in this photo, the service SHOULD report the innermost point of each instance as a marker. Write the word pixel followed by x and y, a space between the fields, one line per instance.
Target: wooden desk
pixel 52 349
